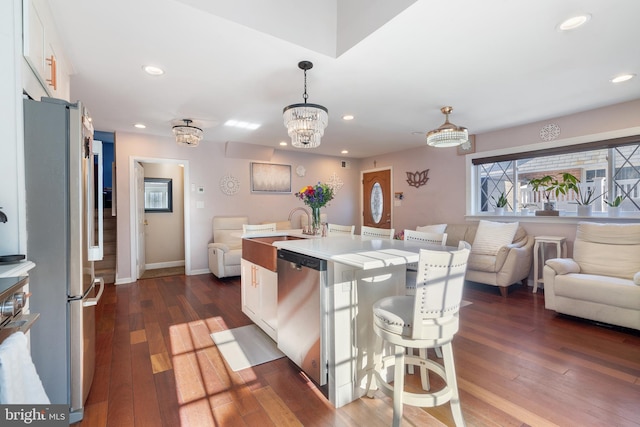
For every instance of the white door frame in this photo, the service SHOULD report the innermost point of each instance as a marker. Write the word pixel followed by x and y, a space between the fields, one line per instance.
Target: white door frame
pixel 133 214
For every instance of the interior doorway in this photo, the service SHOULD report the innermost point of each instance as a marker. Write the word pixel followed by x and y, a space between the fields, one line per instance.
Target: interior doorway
pixel 142 258
pixel 376 198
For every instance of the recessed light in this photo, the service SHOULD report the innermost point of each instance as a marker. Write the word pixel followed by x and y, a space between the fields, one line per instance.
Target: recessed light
pixel 622 78
pixel 153 70
pixel 347 117
pixel 574 22
pixel 418 132
pixel 139 126
pixel 284 144
pixel 242 124
pixel 345 152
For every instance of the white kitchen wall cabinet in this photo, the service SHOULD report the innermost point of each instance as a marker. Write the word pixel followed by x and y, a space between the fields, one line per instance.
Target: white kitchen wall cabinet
pixel 43 53
pixel 260 296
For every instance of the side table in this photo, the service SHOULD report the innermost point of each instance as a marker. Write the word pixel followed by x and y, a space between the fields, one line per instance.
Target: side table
pixel 540 241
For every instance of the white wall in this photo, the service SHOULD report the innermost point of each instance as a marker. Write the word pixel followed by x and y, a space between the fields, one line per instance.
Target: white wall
pixel 207 166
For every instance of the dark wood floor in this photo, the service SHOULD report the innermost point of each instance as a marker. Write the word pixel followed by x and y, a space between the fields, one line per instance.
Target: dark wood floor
pixel 517 364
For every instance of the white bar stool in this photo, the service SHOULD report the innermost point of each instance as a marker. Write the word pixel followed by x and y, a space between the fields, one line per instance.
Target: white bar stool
pixel 540 241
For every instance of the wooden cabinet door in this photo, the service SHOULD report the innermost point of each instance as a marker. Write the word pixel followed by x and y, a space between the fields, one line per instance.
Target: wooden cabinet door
pixel 376 199
pixel 250 289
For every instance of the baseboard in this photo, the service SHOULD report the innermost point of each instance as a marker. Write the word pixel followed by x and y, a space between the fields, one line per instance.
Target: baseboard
pixel 167 264
pixel 124 281
pixel 201 271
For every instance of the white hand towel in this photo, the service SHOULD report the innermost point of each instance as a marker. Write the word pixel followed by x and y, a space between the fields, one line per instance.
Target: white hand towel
pixel 19 381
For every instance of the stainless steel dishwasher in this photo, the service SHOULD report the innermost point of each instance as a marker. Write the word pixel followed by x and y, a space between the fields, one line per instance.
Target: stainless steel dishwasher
pixel 301 331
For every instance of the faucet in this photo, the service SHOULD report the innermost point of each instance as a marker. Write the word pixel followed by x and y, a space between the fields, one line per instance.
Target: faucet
pixel 308 229
pixel 3 217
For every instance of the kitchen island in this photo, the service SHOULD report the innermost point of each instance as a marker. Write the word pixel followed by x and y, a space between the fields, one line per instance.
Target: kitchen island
pixel 359 271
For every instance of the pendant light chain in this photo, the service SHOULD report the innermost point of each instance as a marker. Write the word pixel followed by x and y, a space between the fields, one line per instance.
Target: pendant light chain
pixel 305 96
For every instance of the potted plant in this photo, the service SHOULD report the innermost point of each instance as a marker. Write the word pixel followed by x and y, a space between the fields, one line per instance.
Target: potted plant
pixel 501 203
pixel 549 185
pixel 584 198
pixel 614 205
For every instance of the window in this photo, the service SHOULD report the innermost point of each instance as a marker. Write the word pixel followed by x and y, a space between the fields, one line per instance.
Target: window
pixel 609 168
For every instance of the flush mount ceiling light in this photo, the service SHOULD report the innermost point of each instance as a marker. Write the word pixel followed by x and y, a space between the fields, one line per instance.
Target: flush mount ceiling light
pixel 622 78
pixel 305 123
pixel 574 22
pixel 187 134
pixel 153 70
pixel 448 134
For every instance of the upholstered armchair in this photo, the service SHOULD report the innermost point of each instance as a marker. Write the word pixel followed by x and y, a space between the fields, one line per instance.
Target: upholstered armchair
pixel 226 250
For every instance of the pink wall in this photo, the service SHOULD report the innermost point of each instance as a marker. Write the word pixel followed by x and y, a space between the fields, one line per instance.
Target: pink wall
pixel 207 164
pixel 443 198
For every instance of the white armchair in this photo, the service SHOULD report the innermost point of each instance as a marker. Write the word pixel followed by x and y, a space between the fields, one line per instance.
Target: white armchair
pixel 226 250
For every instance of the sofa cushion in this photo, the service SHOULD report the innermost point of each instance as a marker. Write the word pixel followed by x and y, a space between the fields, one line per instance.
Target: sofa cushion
pixel 482 262
pixel 227 230
pixel 608 249
pixel 491 236
pixel 233 257
pixel 563 265
pixel 435 228
pixel 612 291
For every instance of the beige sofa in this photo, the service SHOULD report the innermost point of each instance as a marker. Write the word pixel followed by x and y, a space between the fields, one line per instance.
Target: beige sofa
pixel 226 250
pixel 511 264
pixel 602 280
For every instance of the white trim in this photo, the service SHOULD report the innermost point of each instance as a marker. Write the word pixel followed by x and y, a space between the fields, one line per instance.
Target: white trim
pixel 199 271
pixel 124 281
pixel 472 179
pixel 132 211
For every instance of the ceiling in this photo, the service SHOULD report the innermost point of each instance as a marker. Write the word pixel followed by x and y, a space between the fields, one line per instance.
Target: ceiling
pixel 392 65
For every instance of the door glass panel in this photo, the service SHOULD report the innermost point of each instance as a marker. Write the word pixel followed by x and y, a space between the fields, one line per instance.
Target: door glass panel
pixel 376 202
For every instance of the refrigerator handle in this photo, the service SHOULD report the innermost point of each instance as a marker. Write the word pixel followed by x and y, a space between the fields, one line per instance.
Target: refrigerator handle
pixel 96 253
pixel 94 301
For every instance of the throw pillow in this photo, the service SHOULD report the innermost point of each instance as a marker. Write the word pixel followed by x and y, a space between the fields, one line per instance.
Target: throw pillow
pixel 436 228
pixel 563 265
pixel 636 278
pixel 491 236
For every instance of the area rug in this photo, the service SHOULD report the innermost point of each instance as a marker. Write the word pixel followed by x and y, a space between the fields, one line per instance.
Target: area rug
pixel 245 347
pixel 162 272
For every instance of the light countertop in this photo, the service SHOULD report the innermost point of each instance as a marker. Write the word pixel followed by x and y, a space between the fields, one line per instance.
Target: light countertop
pixel 357 251
pixel 16 269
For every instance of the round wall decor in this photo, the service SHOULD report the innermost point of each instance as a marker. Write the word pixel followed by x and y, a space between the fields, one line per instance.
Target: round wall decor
pixel 229 185
pixel 301 171
pixel 549 132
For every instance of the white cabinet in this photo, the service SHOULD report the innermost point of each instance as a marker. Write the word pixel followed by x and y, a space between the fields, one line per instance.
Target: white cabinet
pixel 260 296
pixel 43 53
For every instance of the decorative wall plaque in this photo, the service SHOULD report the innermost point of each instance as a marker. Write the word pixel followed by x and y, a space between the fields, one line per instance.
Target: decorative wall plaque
pixel 417 179
pixel 229 185
pixel 549 132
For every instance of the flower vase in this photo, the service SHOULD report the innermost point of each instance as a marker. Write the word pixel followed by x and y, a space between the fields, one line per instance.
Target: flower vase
pixel 315 218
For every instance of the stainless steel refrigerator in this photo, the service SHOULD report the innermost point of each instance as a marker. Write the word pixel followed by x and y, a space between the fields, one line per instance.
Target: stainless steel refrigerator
pixel 63 166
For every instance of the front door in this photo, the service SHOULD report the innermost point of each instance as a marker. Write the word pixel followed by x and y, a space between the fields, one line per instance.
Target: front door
pixel 376 199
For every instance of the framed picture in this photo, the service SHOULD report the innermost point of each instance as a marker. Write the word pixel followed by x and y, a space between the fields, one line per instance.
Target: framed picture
pixel 270 178
pixel 158 195
pixel 468 147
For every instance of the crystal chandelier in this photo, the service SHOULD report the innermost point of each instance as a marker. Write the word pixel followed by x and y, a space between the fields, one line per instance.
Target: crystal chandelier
pixel 448 134
pixel 187 134
pixel 305 123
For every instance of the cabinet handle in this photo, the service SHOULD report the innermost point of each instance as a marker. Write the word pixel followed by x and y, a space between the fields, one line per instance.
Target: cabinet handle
pixel 53 81
pixel 254 276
